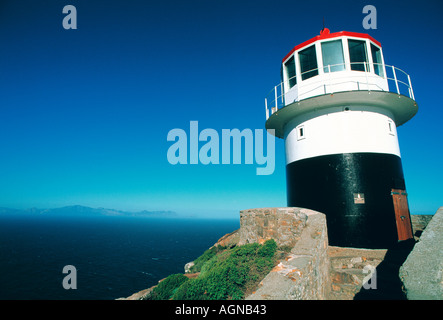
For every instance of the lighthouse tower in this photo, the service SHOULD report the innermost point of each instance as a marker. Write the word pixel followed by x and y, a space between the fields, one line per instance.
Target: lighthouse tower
pixel 337 108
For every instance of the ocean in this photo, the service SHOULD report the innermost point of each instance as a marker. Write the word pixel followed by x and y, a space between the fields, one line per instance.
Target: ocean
pixel 113 256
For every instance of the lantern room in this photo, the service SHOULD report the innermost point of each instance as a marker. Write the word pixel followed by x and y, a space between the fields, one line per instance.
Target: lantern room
pixel 333 62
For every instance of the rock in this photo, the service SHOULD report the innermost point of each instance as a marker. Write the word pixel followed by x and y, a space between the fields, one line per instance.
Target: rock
pixel 192 275
pixel 356 260
pixel 141 295
pixel 422 272
pixel 188 267
pixel 229 240
pixel 419 223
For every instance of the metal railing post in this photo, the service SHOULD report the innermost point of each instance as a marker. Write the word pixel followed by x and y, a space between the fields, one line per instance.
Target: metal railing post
pixel 330 81
pixel 411 92
pixel 276 98
pixel 282 93
pixel 366 75
pixel 395 79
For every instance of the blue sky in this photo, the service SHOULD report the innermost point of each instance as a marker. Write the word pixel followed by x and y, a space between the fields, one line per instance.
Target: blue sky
pixel 84 114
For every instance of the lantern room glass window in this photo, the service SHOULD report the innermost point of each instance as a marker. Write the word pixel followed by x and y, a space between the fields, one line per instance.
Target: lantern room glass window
pixel 376 58
pixel 308 63
pixel 358 55
pixel 332 53
pixel 291 72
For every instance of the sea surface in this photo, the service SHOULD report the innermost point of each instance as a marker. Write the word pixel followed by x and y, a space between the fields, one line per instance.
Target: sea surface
pixel 113 256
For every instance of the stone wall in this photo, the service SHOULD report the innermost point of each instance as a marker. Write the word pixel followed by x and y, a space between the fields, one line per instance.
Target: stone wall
pixel 422 272
pixel 284 225
pixel 419 223
pixel 349 269
pixel 304 274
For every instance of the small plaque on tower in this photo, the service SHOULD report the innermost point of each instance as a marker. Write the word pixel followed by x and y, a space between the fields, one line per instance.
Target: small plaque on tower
pixel 359 198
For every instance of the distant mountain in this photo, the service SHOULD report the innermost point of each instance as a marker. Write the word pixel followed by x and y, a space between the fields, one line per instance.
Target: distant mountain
pixel 9 211
pixel 78 210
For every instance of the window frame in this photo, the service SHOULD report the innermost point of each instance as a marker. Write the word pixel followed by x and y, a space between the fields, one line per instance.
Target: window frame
pixel 353 64
pixel 380 65
pixel 343 64
pixel 301 132
pixel 305 75
pixel 286 73
pixel 391 128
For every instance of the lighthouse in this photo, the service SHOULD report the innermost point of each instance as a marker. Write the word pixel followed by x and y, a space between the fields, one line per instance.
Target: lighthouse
pixel 337 108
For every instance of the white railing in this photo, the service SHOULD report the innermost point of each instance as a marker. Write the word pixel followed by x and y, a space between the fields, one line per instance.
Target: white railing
pixel 330 82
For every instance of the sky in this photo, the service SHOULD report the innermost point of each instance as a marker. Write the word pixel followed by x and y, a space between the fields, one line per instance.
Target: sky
pixel 85 113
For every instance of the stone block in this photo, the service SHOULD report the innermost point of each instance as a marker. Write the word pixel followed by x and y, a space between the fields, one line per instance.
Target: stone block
pixel 422 272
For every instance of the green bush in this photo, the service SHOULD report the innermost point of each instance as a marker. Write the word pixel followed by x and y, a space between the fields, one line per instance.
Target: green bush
pixel 228 275
pixel 167 287
pixel 207 255
pixel 268 249
pixel 194 289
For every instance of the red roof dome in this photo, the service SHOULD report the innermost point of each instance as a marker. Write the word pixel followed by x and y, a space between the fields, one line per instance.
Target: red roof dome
pixel 325 34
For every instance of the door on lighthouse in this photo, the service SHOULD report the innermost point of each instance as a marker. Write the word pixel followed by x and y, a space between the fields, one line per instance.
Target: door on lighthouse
pixel 402 216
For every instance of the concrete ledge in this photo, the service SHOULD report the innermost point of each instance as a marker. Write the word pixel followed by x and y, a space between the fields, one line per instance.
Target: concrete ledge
pixel 304 275
pixel 422 272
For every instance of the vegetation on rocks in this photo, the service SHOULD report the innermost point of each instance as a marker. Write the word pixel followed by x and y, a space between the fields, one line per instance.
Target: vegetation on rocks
pixel 224 274
pixel 206 256
pixel 167 287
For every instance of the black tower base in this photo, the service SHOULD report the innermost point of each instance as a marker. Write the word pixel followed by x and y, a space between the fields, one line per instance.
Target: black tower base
pixel 353 190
